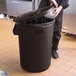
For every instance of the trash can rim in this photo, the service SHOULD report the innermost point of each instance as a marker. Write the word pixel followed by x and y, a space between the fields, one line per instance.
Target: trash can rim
pixel 38 25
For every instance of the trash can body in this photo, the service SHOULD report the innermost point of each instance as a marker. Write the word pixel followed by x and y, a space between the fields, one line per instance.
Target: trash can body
pixel 35 46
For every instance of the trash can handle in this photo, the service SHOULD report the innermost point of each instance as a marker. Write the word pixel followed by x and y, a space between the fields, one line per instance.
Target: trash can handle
pixel 16 30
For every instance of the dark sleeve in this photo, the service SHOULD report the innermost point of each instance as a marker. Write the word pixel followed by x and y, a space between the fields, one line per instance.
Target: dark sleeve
pixel 64 4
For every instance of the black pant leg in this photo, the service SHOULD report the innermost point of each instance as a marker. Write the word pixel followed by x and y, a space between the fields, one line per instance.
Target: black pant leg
pixel 44 3
pixel 57 31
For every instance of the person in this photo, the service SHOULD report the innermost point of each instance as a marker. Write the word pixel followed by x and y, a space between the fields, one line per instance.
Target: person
pixel 59 6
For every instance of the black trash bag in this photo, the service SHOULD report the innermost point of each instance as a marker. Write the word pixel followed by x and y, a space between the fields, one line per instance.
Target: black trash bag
pixel 29 19
pixel 32 15
pixel 40 22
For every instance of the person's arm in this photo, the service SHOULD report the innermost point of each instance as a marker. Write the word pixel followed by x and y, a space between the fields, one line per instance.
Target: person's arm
pixel 64 4
pixel 54 2
pixel 57 11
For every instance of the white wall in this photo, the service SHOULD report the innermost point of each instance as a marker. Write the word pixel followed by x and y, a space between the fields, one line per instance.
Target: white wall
pixel 72 7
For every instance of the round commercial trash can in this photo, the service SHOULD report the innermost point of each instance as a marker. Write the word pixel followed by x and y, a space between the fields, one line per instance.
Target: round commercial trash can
pixel 35 41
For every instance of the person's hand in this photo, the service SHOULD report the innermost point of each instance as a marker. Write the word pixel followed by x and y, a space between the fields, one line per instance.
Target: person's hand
pixel 57 11
pixel 54 2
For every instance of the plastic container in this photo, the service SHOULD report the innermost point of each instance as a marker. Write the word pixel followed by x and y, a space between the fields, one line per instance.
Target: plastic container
pixel 35 41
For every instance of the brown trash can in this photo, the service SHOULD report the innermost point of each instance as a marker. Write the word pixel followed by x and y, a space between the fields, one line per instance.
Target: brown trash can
pixel 35 41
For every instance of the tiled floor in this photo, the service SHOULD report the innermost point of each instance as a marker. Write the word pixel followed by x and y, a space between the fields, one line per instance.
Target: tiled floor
pixel 9 54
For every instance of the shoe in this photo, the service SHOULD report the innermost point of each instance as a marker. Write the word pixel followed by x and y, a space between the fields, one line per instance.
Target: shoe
pixel 55 54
